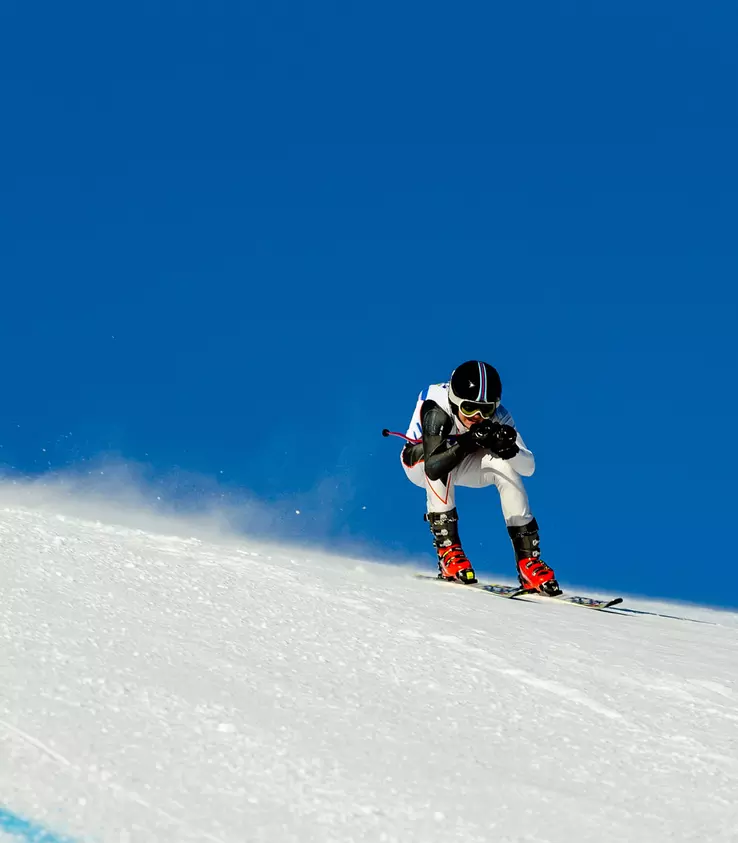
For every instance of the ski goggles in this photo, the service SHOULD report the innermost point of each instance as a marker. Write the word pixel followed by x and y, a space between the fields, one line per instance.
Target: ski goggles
pixel 469 409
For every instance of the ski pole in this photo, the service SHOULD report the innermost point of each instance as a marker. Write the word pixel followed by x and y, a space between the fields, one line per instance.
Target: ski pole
pixel 386 432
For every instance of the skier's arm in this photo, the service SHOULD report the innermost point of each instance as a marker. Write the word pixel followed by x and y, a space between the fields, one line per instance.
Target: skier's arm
pixel 439 454
pixel 523 462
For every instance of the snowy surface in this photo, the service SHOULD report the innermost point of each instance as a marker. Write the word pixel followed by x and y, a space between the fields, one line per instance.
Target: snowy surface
pixel 159 687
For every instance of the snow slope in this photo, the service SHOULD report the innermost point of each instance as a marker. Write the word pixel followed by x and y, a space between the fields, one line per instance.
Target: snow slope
pixel 160 687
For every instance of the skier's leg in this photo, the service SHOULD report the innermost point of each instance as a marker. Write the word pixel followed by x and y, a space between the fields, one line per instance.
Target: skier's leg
pixel 482 469
pixel 452 561
pixel 442 519
pixel 533 572
pixel 439 493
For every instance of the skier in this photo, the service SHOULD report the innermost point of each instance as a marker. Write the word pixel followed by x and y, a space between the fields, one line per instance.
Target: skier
pixel 461 435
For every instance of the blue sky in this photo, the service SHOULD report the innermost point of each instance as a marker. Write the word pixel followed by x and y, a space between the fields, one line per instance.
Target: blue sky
pixel 238 240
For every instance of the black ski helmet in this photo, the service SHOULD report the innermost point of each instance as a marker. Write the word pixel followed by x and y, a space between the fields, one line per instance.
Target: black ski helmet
pixel 475 386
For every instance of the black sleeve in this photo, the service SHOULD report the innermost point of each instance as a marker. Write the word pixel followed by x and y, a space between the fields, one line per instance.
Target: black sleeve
pixel 440 454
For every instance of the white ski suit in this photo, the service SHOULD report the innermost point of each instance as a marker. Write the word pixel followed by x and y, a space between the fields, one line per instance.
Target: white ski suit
pixel 476 470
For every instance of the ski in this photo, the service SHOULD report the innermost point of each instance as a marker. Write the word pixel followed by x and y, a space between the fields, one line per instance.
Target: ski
pixel 508 591
pixel 588 602
pixel 512 592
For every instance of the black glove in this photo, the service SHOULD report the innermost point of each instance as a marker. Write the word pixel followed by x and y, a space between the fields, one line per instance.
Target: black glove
pixel 500 439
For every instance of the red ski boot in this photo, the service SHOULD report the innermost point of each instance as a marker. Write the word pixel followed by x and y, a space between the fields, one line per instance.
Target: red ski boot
pixel 453 564
pixel 533 572
pixel 452 561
